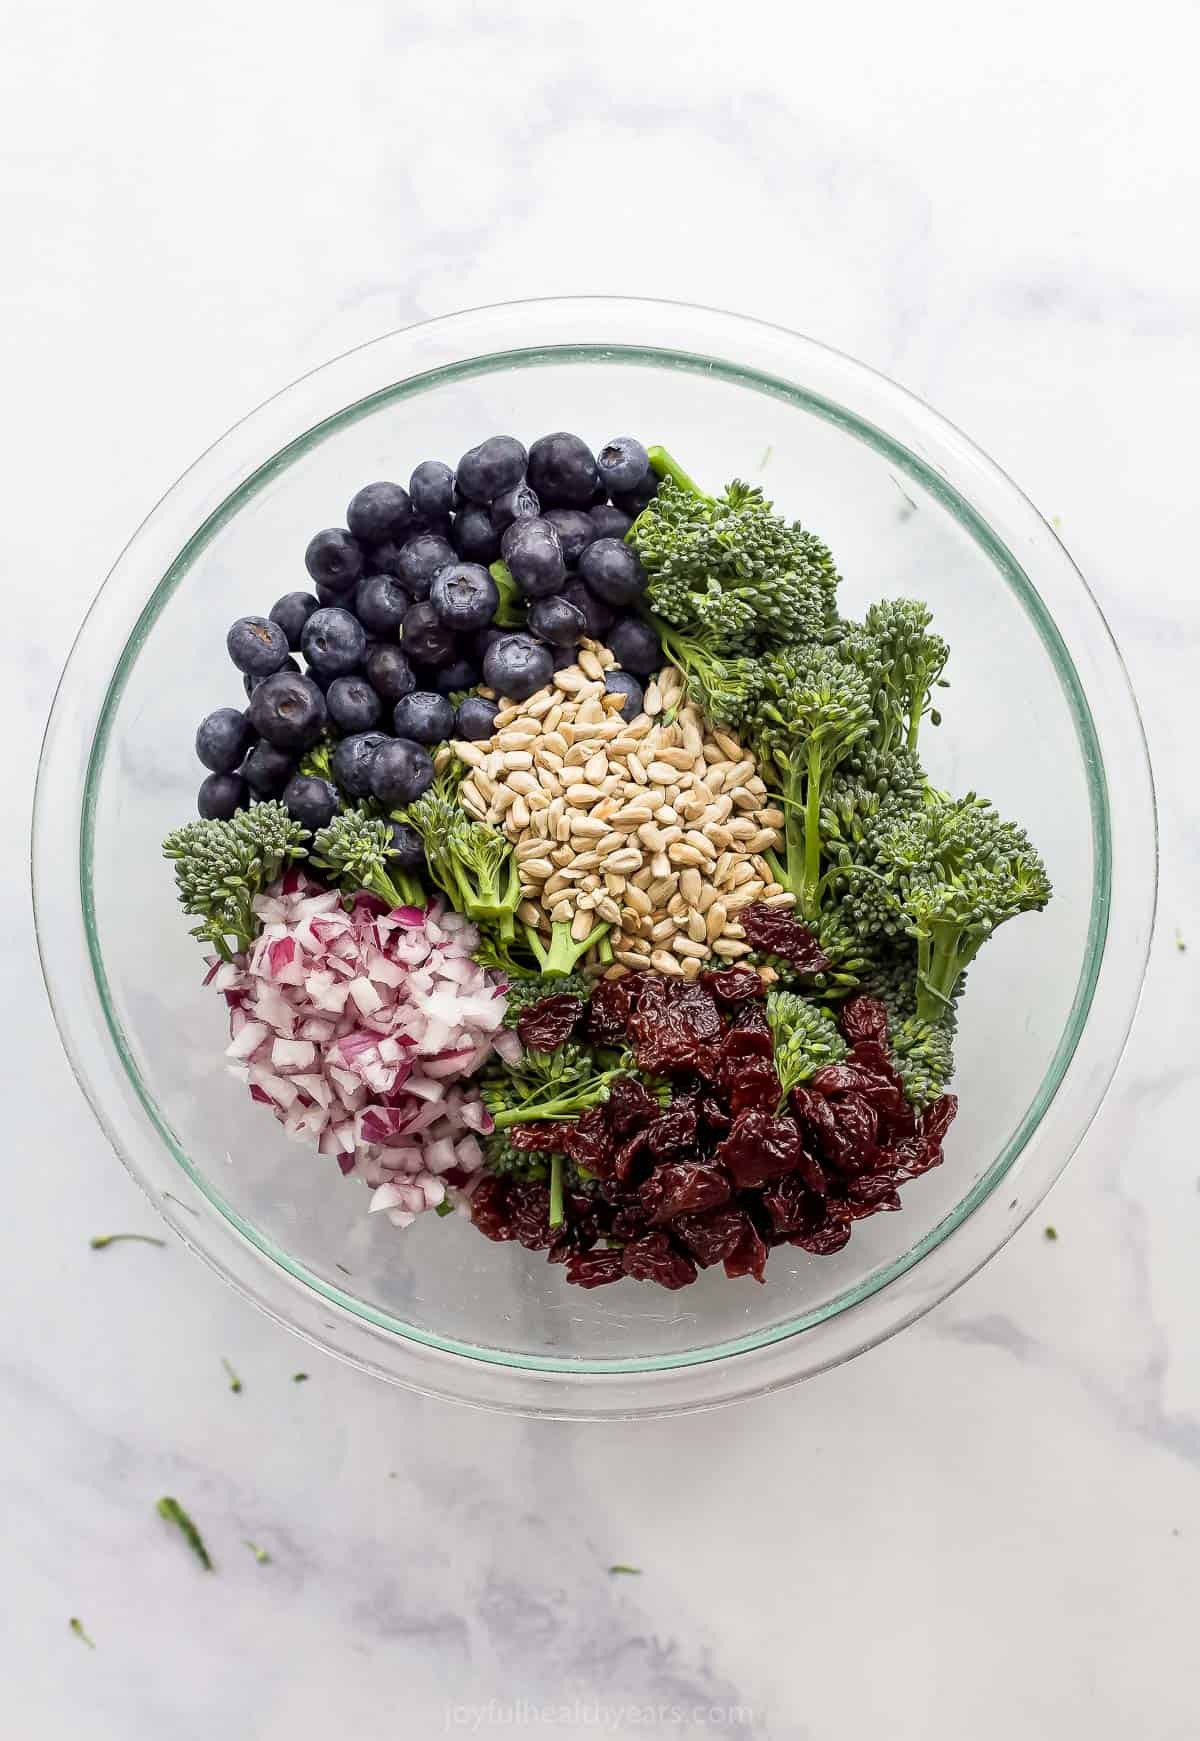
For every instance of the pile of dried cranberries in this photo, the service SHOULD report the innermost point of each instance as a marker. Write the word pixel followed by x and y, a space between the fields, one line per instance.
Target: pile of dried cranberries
pixel 722 1172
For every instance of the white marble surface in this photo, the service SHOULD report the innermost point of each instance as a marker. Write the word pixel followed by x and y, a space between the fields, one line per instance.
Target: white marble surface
pixel 986 1530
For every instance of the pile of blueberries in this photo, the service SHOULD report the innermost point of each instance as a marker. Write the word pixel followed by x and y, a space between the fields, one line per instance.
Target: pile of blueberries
pixel 403 617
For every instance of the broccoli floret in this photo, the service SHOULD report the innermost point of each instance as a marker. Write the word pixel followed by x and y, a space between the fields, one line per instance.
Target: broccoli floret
pixel 815 707
pixel 355 852
pixel 948 874
pixel 318 761
pixel 501 1157
pixel 471 863
pixel 806 1038
pixel 727 571
pixel 911 661
pixel 549 1085
pixel 923 1056
pixel 221 866
pixel 523 993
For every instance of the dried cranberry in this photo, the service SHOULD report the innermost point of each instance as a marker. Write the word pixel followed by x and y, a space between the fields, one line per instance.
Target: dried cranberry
pixel 788 1204
pixel 629 1153
pixel 673 1022
pixel 750 1084
pixel 823 1240
pixel 683 1187
pixel 489 1208
pixel 863 1018
pixel 872 1192
pixel 714 1114
pixel 858 1124
pixel 776 931
pixel 749 1041
pixel 752 1016
pixel 580 1229
pixel 760 1147
pixel 529 1215
pixel 654 1259
pixel 817 1121
pixel 914 1156
pixel 732 985
pixel 938 1118
pixel 856 1079
pixel 595 1269
pixel 629 1106
pixel 629 1221
pixel 713 1236
pixel 749 1256
pixel 589 1144
pixel 549 1022
pixel 609 1009
pixel 543 1136
pixel 674 1130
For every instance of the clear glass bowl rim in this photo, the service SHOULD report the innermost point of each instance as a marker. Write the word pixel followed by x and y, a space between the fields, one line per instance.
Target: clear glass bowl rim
pixel 595 329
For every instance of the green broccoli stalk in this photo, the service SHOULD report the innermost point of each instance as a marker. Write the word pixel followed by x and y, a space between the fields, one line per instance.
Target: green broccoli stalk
pixel 221 866
pixel 564 951
pixel 729 571
pixel 949 873
pixel 815 708
pixel 806 1038
pixel 355 852
pixel 547 1085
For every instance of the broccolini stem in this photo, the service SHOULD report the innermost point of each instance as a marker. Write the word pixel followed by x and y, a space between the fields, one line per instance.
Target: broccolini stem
pixel 556 1191
pixel 557 1106
pixel 664 465
pixel 811 893
pixel 564 951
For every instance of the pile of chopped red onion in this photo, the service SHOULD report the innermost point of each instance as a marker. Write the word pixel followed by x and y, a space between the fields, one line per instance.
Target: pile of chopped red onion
pixel 357 1028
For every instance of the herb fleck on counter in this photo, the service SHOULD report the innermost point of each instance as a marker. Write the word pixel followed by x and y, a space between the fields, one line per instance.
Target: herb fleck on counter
pixel 77 1627
pixel 100 1240
pixel 174 1513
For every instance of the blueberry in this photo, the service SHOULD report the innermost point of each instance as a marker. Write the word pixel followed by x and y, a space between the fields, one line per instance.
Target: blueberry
pixel 476 718
pixel 257 646
pixel 424 636
pixel 353 705
pixel 223 738
pixel 632 501
pixel 491 468
pixel 379 512
pixel 477 645
pixel 517 667
pixel 221 796
pixel 534 557
pixel 562 471
pixel 425 718
pixel 400 771
pixel 608 521
pixel 613 571
pixel 250 684
pixel 431 489
pixel 421 559
pixel 287 710
pixel 380 603
pixel 473 535
pixel 351 762
pixel 327 596
pixel 634 645
pixel 558 621
pixel 311 802
pixel 464 596
pixel 291 612
pixel 597 616
pixel 334 641
pixel 621 683
pixel 267 770
pixel 334 558
pixel 563 656
pixel 519 503
pixel 407 848
pixel 575 532
pixel 389 673
pixel 461 673
pixel 622 464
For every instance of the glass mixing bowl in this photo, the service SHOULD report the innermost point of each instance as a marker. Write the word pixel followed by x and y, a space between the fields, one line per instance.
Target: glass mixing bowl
pixel 1040 717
